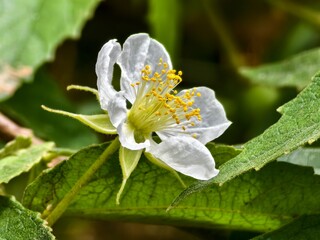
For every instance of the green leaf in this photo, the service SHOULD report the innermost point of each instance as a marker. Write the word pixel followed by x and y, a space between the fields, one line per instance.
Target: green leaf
pixel 34 28
pixel 299 124
pixel 11 147
pixel 222 153
pixel 161 164
pixel 305 227
pixel 309 157
pixel 257 200
pixel 19 223
pixel 293 72
pixel 22 161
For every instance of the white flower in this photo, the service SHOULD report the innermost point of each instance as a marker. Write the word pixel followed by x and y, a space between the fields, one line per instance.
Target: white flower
pixel 184 121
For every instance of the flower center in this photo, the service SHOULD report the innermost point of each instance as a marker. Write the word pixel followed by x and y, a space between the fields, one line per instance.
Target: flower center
pixel 158 106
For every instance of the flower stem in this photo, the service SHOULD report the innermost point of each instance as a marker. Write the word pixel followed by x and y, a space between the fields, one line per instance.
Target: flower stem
pixel 306 13
pixel 82 181
pixel 230 47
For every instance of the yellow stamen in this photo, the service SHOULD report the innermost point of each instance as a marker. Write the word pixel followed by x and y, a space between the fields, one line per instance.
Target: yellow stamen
pixel 158 104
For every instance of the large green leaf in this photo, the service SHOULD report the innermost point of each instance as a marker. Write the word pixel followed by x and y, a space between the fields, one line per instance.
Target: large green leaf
pixel 293 72
pixel 257 200
pixel 22 161
pixel 305 227
pixel 309 157
pixel 19 223
pixel 33 29
pixel 300 124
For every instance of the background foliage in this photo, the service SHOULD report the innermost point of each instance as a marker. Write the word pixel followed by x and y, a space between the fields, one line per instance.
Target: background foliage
pixel 258 56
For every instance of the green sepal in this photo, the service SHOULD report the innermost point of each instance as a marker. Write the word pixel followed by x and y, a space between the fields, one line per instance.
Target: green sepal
pixel 161 164
pixel 128 161
pixel 100 123
pixel 84 88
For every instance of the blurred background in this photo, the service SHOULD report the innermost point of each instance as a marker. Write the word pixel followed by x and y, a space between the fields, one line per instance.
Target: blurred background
pixel 209 41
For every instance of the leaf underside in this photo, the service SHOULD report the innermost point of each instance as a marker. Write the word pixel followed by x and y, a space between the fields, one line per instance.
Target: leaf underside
pixel 287 73
pixel 309 157
pixel 19 223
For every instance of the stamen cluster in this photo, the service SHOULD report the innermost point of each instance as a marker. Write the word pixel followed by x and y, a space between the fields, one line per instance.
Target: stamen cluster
pixel 157 106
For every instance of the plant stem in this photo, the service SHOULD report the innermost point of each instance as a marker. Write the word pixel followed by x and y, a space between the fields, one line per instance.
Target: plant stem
pixel 63 151
pixel 234 56
pixel 83 180
pixel 10 130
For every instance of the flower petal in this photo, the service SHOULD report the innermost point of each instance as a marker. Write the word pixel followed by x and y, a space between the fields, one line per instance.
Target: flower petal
pixel 138 51
pixel 117 109
pixel 126 137
pixel 214 121
pixel 186 155
pixel 107 57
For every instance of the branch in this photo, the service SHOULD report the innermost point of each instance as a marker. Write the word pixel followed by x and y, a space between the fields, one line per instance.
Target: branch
pixel 10 130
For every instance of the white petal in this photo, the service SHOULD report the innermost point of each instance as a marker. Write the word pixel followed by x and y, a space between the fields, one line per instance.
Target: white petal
pixel 107 57
pixel 126 137
pixel 214 121
pixel 186 155
pixel 117 109
pixel 138 51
